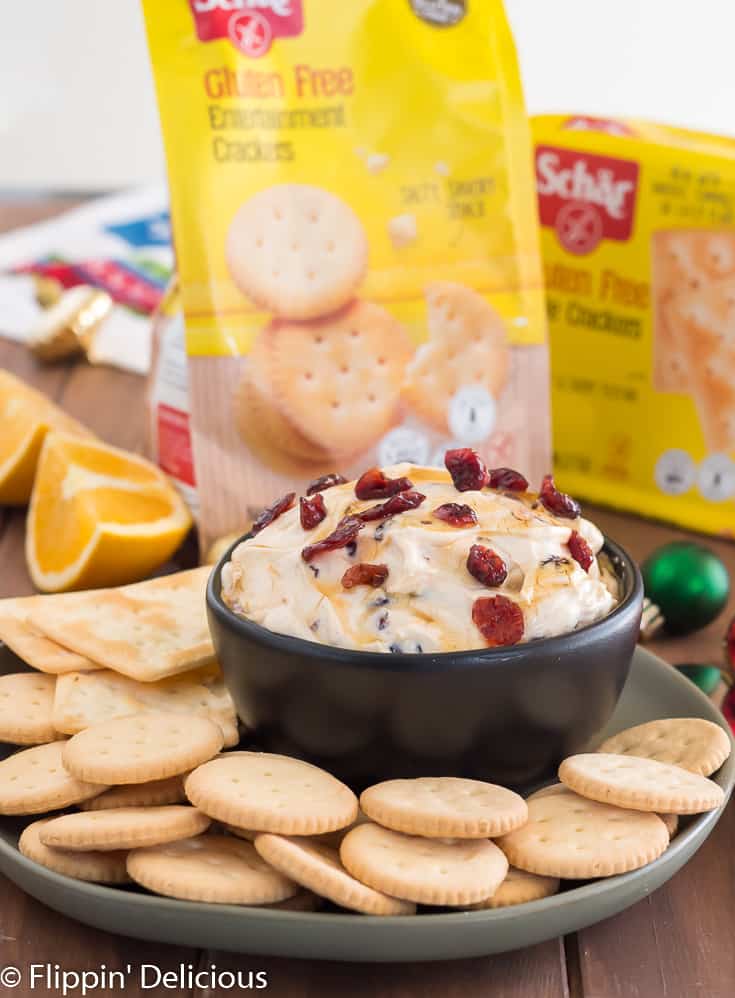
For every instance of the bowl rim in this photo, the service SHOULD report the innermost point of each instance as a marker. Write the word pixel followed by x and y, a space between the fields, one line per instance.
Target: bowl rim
pixel 629 608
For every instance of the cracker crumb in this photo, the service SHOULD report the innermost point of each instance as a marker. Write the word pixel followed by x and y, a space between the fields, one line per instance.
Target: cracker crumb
pixel 402 230
pixel 377 161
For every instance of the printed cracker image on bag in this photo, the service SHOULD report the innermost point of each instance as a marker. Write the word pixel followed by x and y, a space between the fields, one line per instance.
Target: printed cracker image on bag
pixel 356 236
pixel 638 238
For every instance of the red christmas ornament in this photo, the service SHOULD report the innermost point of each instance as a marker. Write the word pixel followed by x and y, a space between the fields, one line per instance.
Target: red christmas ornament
pixel 728 707
pixel 728 704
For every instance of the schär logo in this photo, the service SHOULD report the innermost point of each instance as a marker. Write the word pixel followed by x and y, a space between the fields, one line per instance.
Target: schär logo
pixel 251 25
pixel 585 198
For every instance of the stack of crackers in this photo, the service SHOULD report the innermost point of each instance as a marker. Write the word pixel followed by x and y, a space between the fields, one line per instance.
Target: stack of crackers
pixel 131 652
pixel 694 334
pixel 323 379
pixel 147 631
pixel 159 803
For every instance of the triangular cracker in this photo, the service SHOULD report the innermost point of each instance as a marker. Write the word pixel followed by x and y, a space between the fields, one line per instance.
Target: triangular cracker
pixel 31 645
pixel 84 699
pixel 147 631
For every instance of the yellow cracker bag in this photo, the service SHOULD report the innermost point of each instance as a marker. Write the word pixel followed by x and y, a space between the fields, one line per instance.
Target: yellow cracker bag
pixel 168 407
pixel 357 242
pixel 638 240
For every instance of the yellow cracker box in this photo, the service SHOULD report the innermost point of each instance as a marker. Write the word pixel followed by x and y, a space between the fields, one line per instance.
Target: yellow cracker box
pixel 638 241
pixel 357 242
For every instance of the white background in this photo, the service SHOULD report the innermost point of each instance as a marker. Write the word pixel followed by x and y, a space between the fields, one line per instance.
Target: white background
pixel 77 108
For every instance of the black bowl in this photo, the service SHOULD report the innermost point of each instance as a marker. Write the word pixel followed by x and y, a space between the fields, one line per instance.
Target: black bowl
pixel 507 715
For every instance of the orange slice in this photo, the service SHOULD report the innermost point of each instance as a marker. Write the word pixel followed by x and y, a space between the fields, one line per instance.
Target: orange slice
pixel 99 516
pixel 26 416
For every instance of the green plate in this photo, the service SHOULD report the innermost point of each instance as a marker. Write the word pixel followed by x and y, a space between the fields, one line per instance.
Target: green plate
pixel 653 690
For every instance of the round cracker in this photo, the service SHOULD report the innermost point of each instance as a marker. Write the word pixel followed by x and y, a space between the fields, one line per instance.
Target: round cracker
pixel 332 839
pixel 570 837
pixel 26 708
pixel 35 780
pixel 338 379
pixel 639 784
pixel 153 794
pixel 302 901
pixel 519 887
pixel 689 742
pixel 267 432
pixel 142 747
pixel 94 867
pixel 258 413
pixel 281 432
pixel 444 807
pixel 318 866
pixel 242 833
pixel 297 250
pixel 426 871
pixel 552 788
pixel 467 347
pixel 672 823
pixel 124 828
pixel 271 793
pixel 210 868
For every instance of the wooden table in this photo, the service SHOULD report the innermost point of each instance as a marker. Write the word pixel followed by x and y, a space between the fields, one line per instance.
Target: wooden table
pixel 678 943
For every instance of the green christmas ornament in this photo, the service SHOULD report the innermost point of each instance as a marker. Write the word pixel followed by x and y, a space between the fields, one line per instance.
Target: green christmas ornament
pixel 688 583
pixel 706 677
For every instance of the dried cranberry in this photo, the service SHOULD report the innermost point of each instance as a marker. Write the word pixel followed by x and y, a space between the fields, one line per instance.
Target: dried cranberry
pixel 580 550
pixel 325 482
pixel 312 511
pixel 374 484
pixel 558 502
pixel 508 480
pixel 456 514
pixel 393 506
pixel 499 620
pixel 273 512
pixel 486 566
pixel 343 534
pixel 365 575
pixel 467 469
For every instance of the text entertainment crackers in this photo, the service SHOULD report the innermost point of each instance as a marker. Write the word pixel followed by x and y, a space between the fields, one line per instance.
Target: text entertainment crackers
pixel 357 243
pixel 638 238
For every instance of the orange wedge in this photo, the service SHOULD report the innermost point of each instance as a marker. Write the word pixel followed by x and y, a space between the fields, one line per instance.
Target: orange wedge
pixel 99 516
pixel 26 416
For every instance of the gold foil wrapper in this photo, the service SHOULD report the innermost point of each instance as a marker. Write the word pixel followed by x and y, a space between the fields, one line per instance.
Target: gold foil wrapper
pixel 652 620
pixel 48 290
pixel 68 327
